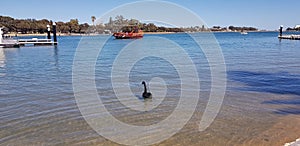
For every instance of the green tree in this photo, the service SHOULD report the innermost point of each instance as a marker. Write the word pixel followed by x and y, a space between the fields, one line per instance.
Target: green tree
pixel 83 28
pixel 73 26
pixel 62 27
pixel 151 27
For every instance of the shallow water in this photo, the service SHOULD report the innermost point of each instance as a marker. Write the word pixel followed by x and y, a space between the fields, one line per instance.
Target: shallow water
pixel 261 105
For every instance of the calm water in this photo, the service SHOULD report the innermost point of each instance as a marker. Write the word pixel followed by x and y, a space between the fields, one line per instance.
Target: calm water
pixel 263 89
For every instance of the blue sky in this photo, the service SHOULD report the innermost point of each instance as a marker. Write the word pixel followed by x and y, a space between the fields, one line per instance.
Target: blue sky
pixel 263 14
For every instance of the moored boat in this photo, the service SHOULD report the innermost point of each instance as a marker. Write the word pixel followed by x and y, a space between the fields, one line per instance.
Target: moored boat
pixel 129 32
pixel 129 35
pixel 244 32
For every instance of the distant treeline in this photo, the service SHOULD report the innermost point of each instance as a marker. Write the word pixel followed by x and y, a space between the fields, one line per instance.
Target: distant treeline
pixel 233 28
pixel 40 26
pixel 293 29
pixel 26 26
pixel 119 23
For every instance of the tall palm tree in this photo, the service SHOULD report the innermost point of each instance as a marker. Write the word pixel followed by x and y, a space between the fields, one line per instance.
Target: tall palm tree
pixel 93 20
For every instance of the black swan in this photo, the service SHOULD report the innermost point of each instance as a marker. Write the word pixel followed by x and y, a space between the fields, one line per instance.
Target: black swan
pixel 145 93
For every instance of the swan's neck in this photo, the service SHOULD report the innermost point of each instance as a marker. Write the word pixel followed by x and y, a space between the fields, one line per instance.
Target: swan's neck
pixel 145 88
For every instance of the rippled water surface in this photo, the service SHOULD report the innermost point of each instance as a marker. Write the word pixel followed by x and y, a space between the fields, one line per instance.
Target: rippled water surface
pixel 261 105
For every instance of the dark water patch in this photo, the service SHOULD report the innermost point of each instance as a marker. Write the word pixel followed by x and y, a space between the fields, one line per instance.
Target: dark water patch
pixel 276 83
pixel 295 101
pixel 282 83
pixel 288 111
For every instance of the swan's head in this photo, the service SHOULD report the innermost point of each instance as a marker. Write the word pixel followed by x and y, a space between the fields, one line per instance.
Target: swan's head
pixel 143 82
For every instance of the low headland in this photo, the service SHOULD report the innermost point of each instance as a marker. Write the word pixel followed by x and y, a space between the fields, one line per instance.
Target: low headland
pixel 33 27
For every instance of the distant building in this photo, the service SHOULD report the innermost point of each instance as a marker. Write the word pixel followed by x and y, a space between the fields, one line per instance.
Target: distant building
pixel 297 26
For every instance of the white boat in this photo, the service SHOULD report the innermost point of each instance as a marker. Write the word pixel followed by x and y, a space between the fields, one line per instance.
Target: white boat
pixel 244 32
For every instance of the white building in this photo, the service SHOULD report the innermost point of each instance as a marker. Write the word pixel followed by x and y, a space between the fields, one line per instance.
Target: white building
pixel 297 26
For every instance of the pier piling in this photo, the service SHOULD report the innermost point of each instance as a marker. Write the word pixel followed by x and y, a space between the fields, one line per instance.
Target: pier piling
pixel 48 32
pixel 54 34
pixel 280 30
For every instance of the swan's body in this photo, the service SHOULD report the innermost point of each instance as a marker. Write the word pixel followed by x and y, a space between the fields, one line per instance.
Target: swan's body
pixel 145 93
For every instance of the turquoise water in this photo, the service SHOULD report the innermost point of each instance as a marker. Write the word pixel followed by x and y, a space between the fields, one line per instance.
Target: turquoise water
pixel 37 104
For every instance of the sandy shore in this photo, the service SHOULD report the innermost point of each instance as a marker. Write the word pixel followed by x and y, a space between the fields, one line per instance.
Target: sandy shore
pixel 282 133
pixel 294 143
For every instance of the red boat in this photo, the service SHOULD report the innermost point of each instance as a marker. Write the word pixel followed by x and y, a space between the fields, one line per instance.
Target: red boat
pixel 134 34
pixel 129 35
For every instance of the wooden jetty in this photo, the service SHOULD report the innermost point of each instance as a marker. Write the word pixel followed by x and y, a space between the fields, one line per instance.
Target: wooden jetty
pixel 11 43
pixel 290 37
pixel 35 42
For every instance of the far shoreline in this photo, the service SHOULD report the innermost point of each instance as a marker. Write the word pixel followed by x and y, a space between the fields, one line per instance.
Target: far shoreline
pixel 148 33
